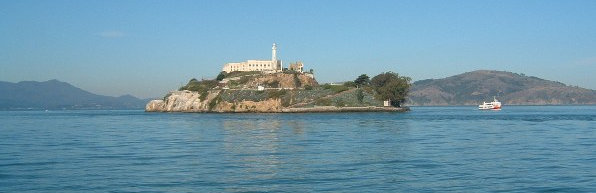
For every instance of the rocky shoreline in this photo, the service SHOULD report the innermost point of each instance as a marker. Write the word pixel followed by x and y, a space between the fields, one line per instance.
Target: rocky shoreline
pixel 319 109
pixel 253 92
pixel 331 109
pixel 190 102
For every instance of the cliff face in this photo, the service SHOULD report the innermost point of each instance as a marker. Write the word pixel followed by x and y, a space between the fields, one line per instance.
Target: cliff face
pixel 189 101
pixel 266 93
pixel 237 93
pixel 180 101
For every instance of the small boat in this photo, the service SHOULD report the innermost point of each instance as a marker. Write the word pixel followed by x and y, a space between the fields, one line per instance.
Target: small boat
pixel 495 105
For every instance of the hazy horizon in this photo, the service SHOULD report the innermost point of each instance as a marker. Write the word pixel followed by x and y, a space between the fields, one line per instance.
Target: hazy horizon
pixel 148 48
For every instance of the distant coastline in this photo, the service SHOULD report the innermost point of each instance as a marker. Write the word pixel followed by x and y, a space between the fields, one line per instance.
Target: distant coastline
pixel 57 95
pixel 472 88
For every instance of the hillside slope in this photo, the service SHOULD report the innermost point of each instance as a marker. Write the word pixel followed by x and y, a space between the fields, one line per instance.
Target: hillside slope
pixel 268 93
pixel 54 94
pixel 472 88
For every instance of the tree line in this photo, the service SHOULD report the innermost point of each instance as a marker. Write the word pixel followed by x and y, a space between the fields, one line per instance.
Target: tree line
pixel 387 86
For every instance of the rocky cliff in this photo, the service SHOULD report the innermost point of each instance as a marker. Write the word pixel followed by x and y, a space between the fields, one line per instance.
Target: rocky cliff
pixel 189 101
pixel 236 93
pixel 267 93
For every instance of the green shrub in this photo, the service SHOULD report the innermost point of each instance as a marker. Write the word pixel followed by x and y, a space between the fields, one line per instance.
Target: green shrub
pixel 273 84
pixel 290 72
pixel 286 102
pixel 339 88
pixel 214 102
pixel 335 88
pixel 204 94
pixel 363 79
pixel 244 80
pixel 275 94
pixel 323 102
pixel 350 84
pixel 390 85
pixel 359 95
pixel 241 73
pixel 368 89
pixel 340 103
pixel 200 86
pixel 221 76
pixel 166 97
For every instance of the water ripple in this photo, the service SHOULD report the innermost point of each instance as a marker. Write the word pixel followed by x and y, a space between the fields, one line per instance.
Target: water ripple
pixel 431 149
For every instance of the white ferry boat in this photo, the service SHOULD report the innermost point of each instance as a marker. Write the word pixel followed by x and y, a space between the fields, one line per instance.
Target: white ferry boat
pixel 495 105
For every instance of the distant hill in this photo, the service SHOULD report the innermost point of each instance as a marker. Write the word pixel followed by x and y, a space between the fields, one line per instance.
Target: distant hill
pixel 54 94
pixel 472 88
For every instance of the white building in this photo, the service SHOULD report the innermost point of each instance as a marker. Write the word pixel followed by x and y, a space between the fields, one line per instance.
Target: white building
pixel 298 67
pixel 273 65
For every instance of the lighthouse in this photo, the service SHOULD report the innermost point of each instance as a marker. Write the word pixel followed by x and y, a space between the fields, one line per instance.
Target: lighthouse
pixel 274 62
pixel 269 66
pixel 274 53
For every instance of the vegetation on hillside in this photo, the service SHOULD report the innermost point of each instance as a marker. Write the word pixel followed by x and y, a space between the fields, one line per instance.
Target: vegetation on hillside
pixel 363 91
pixel 335 88
pixel 385 86
pixel 237 74
pixel 472 88
pixel 363 79
pixel 199 86
pixel 391 86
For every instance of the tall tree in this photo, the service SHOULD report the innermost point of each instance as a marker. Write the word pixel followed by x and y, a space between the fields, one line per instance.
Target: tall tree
pixel 363 79
pixel 391 86
pixel 221 76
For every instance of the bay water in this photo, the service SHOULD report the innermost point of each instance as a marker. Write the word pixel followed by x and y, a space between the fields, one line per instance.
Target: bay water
pixel 429 149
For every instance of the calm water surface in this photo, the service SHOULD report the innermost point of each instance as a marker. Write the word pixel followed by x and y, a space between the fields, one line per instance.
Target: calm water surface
pixel 430 149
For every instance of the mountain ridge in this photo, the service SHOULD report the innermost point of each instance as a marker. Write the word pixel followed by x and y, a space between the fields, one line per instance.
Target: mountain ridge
pixel 54 94
pixel 472 88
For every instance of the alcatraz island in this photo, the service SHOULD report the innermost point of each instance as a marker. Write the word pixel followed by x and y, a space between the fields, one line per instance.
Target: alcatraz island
pixel 265 86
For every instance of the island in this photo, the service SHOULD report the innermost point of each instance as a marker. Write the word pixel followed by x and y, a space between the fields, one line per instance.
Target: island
pixel 264 86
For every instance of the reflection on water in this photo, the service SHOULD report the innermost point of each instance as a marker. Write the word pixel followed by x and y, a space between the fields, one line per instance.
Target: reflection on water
pixel 252 146
pixel 309 148
pixel 297 127
pixel 433 149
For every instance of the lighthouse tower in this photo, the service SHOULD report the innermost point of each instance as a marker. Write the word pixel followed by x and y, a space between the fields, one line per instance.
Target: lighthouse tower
pixel 269 66
pixel 274 53
pixel 274 61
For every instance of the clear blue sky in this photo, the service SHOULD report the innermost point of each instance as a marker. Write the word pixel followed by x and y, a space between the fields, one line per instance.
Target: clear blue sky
pixel 146 48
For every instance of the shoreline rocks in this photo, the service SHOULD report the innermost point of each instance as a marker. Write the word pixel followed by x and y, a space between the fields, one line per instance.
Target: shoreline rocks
pixel 190 102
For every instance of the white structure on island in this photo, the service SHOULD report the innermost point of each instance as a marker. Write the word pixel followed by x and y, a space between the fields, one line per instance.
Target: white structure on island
pixel 273 65
pixel 297 66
